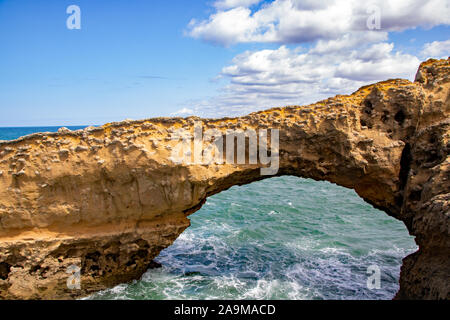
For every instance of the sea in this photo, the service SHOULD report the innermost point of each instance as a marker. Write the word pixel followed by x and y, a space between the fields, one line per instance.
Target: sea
pixel 280 238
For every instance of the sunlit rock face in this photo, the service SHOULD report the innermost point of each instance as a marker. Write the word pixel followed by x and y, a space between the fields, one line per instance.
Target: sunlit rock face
pixel 107 200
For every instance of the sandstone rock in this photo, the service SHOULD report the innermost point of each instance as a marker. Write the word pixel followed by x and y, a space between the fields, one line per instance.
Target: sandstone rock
pixel 63 130
pixel 110 214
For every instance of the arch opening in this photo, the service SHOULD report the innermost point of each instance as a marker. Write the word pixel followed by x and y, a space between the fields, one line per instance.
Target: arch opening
pixel 281 238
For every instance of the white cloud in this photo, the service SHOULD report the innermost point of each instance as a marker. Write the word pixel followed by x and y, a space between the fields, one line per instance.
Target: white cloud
pixel 377 63
pixel 184 111
pixel 436 49
pixel 225 27
pixel 271 78
pixel 228 4
pixel 344 54
pixel 298 21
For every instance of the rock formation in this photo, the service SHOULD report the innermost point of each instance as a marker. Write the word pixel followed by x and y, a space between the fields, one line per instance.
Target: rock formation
pixel 109 199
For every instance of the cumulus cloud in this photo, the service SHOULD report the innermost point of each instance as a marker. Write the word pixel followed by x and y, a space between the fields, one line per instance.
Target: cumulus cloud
pixel 349 40
pixel 271 78
pixel 342 55
pixel 377 63
pixel 436 49
pixel 228 4
pixel 298 21
pixel 184 111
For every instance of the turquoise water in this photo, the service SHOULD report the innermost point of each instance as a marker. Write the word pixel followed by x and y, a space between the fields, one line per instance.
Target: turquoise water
pixel 281 238
pixel 11 133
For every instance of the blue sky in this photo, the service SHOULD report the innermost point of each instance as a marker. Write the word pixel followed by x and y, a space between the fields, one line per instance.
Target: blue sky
pixel 140 59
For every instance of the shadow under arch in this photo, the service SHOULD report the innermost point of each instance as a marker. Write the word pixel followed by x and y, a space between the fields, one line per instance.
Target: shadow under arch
pixel 307 240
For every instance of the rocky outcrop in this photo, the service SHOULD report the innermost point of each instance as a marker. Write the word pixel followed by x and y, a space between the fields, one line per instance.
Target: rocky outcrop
pixel 109 199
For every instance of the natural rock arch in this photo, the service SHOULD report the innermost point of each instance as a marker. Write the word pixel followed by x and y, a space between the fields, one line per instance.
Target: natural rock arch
pixel 109 199
pixel 279 218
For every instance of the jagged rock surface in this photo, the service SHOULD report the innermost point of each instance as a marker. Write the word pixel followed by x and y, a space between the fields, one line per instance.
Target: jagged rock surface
pixel 109 199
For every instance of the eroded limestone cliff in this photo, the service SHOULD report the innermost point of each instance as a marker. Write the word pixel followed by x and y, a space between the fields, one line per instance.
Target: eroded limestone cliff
pixel 109 199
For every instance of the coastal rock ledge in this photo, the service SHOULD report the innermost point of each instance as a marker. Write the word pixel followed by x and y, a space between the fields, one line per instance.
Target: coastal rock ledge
pixel 109 199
